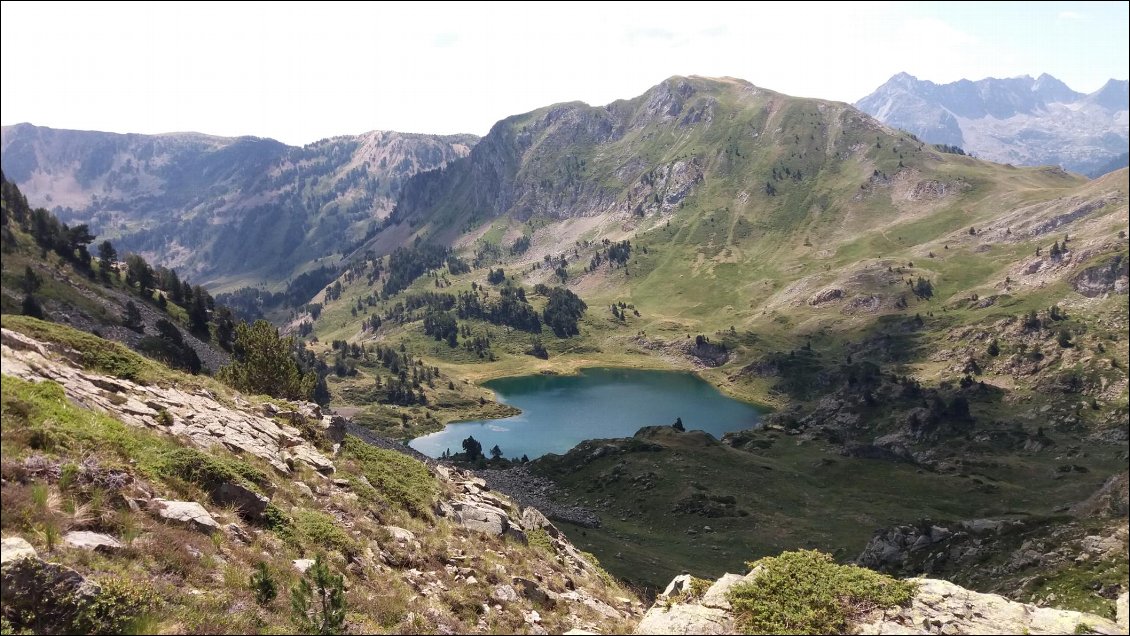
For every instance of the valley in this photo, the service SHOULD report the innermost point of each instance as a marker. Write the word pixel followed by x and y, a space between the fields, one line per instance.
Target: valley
pixel 938 339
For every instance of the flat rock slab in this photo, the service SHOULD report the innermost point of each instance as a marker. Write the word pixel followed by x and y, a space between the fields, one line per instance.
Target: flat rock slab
pixel 188 513
pixel 87 540
pixel 14 548
pixel 686 619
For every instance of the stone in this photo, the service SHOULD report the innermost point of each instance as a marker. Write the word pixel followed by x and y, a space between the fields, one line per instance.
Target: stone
pixel 400 535
pixel 53 593
pixel 579 632
pixel 1122 611
pixel 503 594
pixel 685 619
pixel 531 591
pixel 483 518
pixel 303 564
pixel 188 513
pixel 716 596
pixel 237 533
pixel 14 548
pixel 96 541
pixel 533 519
pixel 677 586
pixel 251 505
pixel 303 489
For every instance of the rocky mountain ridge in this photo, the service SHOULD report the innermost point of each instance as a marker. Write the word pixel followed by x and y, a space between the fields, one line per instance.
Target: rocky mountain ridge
pixel 1017 120
pixel 197 202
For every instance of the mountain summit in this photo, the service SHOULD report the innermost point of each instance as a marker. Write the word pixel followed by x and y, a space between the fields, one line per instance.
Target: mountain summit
pixel 1013 120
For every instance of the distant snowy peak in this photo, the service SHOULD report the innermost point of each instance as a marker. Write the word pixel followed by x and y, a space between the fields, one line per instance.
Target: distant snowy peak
pixel 1015 120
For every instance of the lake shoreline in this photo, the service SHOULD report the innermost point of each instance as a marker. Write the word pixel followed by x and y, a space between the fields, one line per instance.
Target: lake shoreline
pixel 557 411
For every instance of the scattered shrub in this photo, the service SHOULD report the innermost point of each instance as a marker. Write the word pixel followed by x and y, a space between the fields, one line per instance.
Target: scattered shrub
pixel 806 592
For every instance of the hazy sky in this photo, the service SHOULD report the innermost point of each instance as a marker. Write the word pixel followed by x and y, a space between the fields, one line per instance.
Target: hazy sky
pixel 301 72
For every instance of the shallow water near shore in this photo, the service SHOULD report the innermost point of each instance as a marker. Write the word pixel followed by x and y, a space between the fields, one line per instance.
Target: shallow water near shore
pixel 560 411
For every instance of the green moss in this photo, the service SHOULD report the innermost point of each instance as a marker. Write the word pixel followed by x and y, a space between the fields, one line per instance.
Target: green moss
pixel 806 592
pixel 396 478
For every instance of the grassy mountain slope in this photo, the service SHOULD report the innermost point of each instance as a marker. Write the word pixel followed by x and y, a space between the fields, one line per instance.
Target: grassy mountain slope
pixel 88 296
pixel 894 302
pixel 275 483
pixel 227 211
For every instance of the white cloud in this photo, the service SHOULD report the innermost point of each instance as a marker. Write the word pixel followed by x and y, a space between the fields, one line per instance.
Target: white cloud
pixel 302 72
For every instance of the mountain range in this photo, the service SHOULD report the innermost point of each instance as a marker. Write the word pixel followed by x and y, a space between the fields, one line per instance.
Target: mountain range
pixel 937 369
pixel 195 202
pixel 1016 120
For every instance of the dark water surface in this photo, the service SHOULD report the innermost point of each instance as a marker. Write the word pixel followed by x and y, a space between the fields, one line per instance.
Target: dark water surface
pixel 560 411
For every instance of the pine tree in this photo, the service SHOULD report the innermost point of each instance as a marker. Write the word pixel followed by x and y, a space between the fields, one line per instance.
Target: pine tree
pixel 263 363
pixel 263 584
pixel 131 319
pixel 318 600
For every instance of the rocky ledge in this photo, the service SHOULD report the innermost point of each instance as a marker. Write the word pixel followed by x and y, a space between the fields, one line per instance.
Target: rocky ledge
pixel 939 607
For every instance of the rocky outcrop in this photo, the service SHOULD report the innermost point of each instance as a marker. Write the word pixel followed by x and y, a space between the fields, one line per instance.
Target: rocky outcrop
pixel 1113 276
pixel 188 513
pixel 938 607
pixel 941 607
pixel 93 541
pixel 50 592
pixel 199 416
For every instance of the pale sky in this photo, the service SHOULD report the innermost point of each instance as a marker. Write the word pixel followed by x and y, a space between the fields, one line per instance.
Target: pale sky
pixel 300 72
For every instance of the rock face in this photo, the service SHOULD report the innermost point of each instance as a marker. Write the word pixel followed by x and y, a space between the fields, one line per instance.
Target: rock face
pixel 686 619
pixel 940 607
pixel 200 417
pixel 251 504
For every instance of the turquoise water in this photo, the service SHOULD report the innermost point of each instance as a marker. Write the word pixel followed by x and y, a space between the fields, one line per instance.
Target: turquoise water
pixel 560 411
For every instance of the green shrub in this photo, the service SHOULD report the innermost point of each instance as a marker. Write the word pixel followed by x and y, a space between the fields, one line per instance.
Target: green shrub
pixel 275 519
pixel 204 470
pixel 539 538
pixel 806 592
pixel 318 601
pixel 403 481
pixel 117 608
pixel 312 527
pixel 263 585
